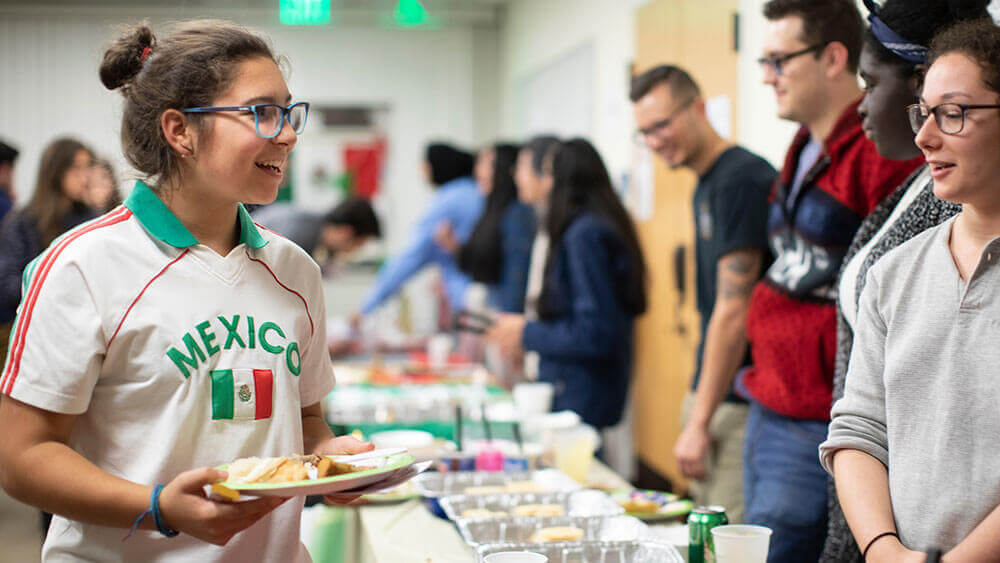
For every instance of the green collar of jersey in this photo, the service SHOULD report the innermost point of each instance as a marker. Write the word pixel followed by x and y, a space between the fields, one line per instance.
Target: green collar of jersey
pixel 164 225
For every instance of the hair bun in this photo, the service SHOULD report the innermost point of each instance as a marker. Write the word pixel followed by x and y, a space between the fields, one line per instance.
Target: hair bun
pixel 123 60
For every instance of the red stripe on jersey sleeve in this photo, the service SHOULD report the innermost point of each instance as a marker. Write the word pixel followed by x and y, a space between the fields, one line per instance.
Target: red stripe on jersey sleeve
pixel 24 320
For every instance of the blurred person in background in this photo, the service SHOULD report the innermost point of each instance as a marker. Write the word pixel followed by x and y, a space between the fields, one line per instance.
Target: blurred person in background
pixel 730 215
pixel 831 179
pixel 498 251
pixel 594 288
pixel 456 202
pixel 533 187
pixel 343 229
pixel 102 192
pixel 892 67
pixel 58 204
pixel 8 157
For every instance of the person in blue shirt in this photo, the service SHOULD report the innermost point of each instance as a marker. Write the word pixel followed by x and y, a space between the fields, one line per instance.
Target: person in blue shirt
pixel 457 203
pixel 498 251
pixel 594 288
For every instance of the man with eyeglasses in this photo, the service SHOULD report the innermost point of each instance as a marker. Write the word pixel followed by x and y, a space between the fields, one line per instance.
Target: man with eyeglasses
pixel 730 212
pixel 831 179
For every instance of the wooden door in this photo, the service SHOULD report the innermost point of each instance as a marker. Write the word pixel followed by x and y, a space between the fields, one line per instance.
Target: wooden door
pixel 699 37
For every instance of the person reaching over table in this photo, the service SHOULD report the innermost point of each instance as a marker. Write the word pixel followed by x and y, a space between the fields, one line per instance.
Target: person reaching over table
pixel 457 203
pixel 911 442
pixel 171 334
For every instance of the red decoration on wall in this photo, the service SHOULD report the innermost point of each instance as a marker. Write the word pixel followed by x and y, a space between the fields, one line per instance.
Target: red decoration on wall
pixel 364 164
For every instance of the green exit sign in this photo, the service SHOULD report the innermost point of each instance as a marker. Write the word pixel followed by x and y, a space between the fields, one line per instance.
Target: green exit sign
pixel 304 12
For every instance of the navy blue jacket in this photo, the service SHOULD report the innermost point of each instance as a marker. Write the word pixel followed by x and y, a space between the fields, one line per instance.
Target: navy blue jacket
pixel 517 235
pixel 586 350
pixel 20 243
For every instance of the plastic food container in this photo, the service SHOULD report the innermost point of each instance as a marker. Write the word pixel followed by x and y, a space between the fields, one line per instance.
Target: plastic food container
pixel 477 532
pixel 579 503
pixel 644 551
pixel 433 486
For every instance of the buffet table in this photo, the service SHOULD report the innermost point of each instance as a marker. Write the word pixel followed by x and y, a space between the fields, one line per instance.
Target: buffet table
pixel 407 532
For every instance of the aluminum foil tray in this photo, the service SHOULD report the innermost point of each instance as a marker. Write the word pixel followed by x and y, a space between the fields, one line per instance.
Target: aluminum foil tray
pixel 579 503
pixel 506 530
pixel 434 485
pixel 645 551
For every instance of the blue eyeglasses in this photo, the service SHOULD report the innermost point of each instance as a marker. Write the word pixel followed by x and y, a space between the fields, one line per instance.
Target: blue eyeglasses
pixel 268 118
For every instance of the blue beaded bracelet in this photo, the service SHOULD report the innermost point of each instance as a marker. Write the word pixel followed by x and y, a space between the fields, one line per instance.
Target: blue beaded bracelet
pixel 161 526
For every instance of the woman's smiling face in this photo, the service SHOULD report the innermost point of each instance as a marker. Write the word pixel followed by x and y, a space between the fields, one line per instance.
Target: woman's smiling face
pixel 964 165
pixel 230 159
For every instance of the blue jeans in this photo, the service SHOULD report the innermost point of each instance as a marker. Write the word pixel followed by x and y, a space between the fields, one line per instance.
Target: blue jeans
pixel 784 485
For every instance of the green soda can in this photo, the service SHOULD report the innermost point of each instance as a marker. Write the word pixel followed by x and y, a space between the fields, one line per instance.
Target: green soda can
pixel 700 524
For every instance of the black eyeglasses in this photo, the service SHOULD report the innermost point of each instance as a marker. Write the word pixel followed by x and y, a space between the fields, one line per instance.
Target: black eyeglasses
pixel 775 61
pixel 950 117
pixel 656 128
pixel 268 118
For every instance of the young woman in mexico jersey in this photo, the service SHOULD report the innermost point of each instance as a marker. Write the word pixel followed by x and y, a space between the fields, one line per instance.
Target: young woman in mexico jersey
pixel 172 333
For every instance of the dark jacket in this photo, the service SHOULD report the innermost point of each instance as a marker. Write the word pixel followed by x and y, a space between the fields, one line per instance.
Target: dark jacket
pixel 585 349
pixel 517 234
pixel 20 243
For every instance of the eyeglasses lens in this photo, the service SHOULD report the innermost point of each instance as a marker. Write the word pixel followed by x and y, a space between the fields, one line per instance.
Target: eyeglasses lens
pixel 268 120
pixel 297 117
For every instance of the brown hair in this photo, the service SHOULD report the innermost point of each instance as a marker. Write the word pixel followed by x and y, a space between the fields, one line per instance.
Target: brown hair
pixel 116 199
pixel 190 67
pixel 977 39
pixel 823 22
pixel 49 204
pixel 680 82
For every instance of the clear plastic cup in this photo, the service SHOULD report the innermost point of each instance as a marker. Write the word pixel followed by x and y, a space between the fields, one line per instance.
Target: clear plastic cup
pixel 515 557
pixel 573 450
pixel 741 543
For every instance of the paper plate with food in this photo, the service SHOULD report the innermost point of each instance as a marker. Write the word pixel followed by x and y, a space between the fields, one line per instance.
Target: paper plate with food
pixel 652 505
pixel 301 475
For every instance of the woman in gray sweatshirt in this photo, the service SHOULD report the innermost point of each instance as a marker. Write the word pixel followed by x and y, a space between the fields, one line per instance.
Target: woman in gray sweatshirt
pixel 912 442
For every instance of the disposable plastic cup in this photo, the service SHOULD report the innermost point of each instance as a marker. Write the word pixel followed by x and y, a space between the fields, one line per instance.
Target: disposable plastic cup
pixel 574 450
pixel 515 557
pixel 741 543
pixel 533 398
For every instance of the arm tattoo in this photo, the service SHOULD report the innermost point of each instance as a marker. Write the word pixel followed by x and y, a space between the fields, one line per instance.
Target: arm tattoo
pixel 738 275
pixel 740 264
pixel 732 289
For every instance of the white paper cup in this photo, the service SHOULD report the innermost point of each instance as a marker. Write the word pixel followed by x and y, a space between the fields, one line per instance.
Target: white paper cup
pixel 515 557
pixel 741 543
pixel 533 399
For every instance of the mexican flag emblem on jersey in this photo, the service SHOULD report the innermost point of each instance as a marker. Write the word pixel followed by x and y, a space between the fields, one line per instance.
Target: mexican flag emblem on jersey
pixel 241 394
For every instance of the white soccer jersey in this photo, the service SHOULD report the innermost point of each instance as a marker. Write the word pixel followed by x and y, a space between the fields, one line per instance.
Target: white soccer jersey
pixel 174 358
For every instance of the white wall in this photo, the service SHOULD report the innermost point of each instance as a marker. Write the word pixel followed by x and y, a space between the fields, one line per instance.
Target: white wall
pixel 438 84
pixel 537 34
